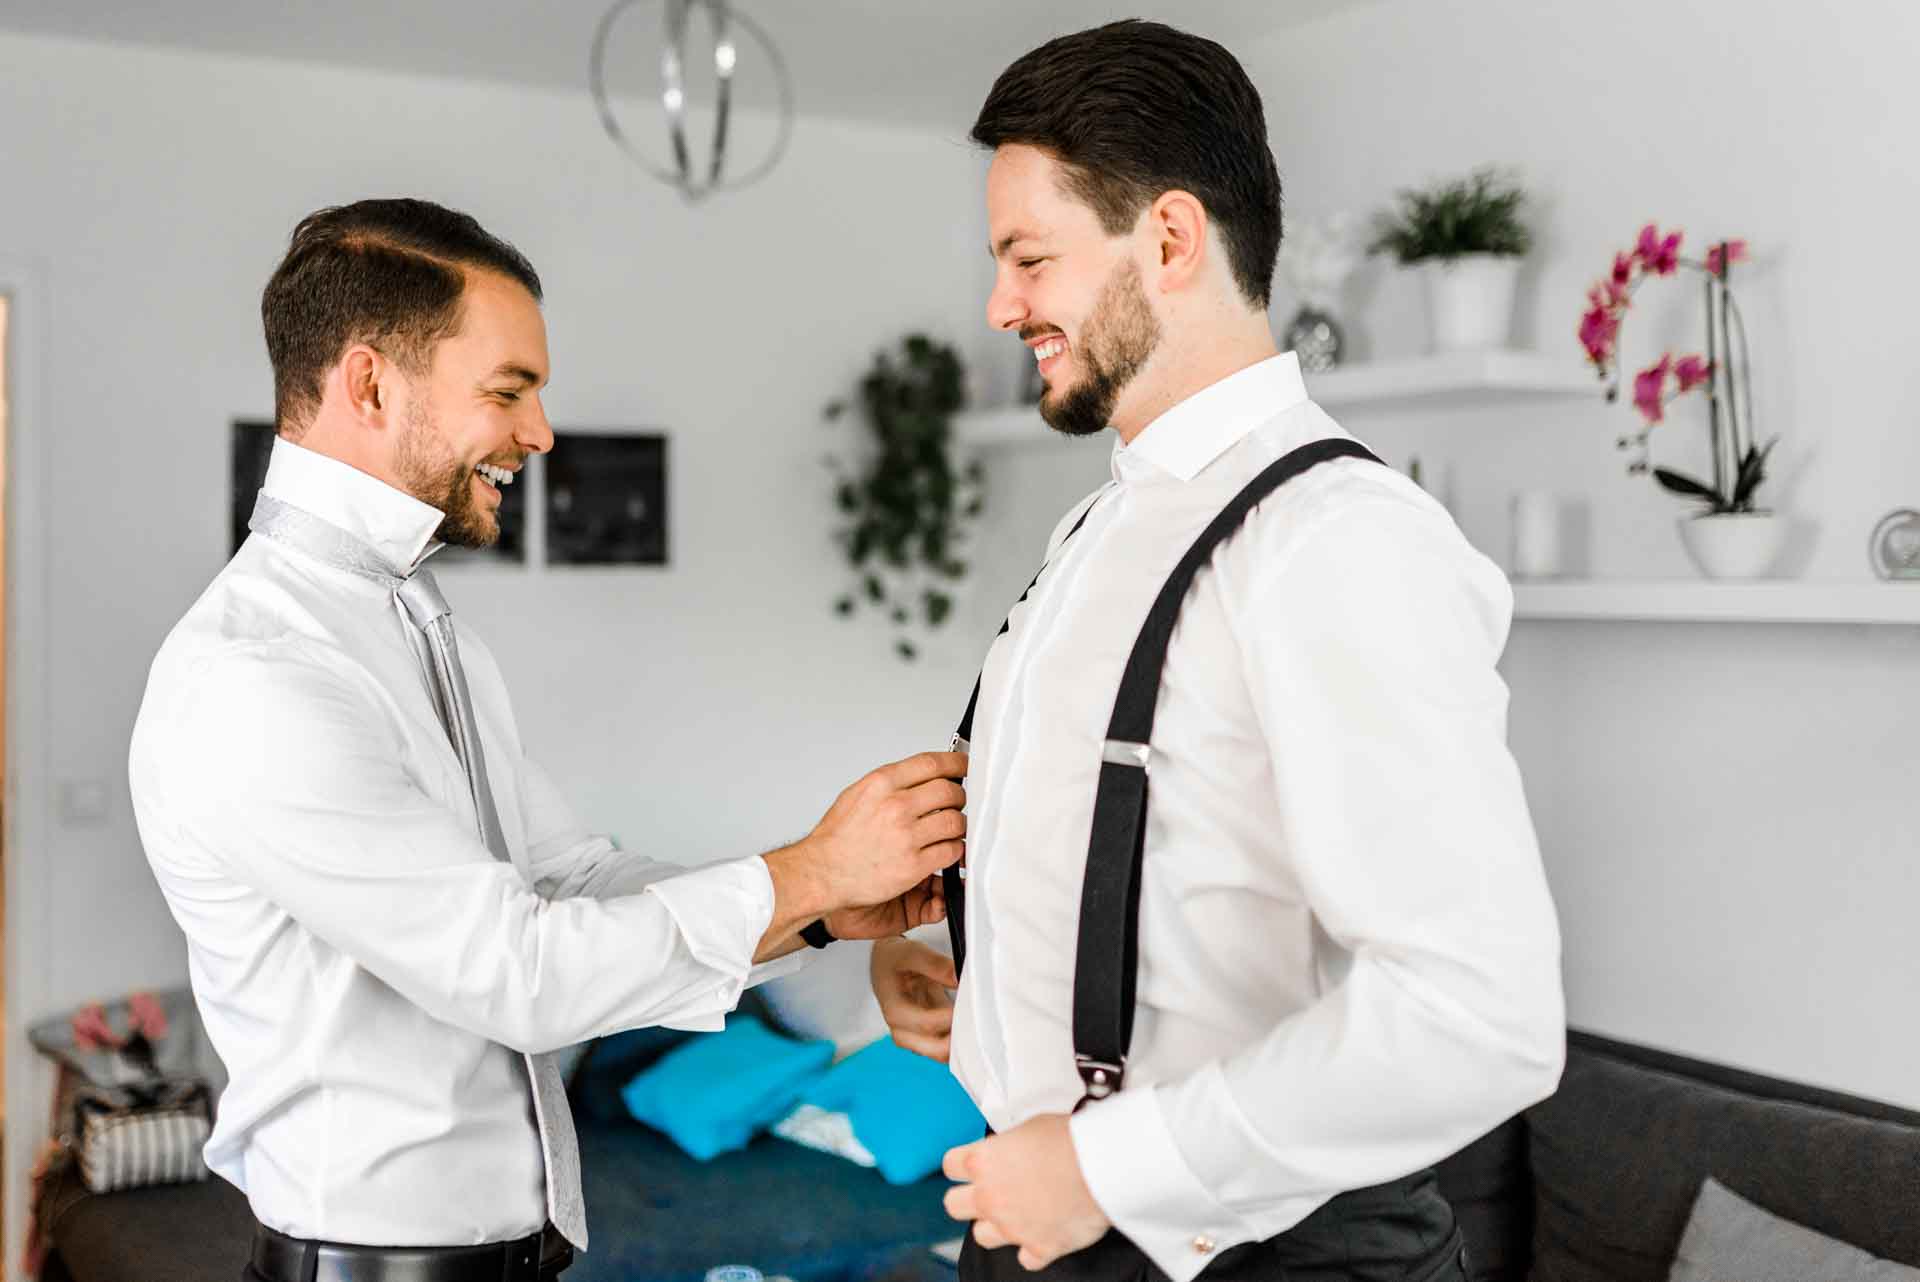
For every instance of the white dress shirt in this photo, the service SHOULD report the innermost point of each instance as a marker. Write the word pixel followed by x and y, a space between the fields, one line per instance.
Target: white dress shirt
pixel 366 969
pixel 1349 961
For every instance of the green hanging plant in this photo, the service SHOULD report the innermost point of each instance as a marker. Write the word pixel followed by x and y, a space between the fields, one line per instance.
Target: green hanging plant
pixel 907 507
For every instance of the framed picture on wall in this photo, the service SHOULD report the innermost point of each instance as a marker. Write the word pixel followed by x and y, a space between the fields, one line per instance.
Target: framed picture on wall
pixel 251 445
pixel 607 499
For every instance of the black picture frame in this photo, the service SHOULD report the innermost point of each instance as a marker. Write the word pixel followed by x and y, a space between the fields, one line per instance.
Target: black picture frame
pixel 607 499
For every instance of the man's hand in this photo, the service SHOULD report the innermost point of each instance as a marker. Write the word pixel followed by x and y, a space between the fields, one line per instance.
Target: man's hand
pixel 923 905
pixel 914 983
pixel 1025 1189
pixel 878 847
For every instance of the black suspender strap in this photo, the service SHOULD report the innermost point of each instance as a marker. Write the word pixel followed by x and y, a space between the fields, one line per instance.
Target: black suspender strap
pixel 954 880
pixel 1106 964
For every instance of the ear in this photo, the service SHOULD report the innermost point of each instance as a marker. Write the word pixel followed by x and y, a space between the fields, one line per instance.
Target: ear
pixel 1178 223
pixel 366 385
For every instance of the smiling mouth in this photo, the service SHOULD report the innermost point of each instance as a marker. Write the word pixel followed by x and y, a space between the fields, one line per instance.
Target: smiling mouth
pixel 498 477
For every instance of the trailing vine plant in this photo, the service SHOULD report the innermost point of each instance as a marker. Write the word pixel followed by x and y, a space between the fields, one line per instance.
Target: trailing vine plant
pixel 907 507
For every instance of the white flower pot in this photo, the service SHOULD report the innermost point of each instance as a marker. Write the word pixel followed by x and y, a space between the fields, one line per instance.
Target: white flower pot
pixel 1734 545
pixel 1470 300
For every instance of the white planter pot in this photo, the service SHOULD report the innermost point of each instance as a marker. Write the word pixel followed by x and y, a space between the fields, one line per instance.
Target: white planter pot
pixel 1734 545
pixel 1470 300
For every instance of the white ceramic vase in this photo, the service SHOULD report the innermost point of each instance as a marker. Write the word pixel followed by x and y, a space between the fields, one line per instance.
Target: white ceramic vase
pixel 1734 545
pixel 1470 300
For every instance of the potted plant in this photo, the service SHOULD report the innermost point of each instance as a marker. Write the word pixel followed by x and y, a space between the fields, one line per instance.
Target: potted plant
pixel 1729 537
pixel 1466 238
pixel 908 507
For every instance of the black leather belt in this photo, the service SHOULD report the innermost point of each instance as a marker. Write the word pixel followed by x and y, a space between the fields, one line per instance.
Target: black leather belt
pixel 279 1258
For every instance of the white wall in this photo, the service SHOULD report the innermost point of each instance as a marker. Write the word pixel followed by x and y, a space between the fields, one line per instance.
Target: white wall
pixel 1728 811
pixel 711 708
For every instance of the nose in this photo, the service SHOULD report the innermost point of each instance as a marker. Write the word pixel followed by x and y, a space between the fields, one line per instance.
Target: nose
pixel 1006 309
pixel 535 434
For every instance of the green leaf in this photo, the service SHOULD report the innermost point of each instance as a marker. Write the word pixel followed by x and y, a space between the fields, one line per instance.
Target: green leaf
pixel 905 650
pixel 1679 484
pixel 1753 470
pixel 939 606
pixel 875 592
pixel 844 606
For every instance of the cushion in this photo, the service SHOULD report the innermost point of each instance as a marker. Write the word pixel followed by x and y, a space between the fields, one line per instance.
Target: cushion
pixel 1619 1153
pixel 164 1233
pixel 1729 1239
pixel 715 1091
pixel 906 1109
pixel 616 1059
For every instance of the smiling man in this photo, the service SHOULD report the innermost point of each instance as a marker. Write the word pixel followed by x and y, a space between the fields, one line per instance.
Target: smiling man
pixel 1224 1023
pixel 392 918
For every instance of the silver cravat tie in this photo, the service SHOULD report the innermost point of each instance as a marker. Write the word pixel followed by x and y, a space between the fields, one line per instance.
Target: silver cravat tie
pixel 559 1148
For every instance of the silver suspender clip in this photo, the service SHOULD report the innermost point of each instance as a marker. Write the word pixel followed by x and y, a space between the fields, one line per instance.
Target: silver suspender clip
pixel 1121 752
pixel 1102 1078
pixel 957 744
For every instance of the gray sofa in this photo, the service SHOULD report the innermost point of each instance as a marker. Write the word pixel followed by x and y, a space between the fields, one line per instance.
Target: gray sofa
pixel 1593 1185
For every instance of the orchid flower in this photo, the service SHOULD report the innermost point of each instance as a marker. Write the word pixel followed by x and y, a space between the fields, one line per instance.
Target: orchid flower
pixel 1649 388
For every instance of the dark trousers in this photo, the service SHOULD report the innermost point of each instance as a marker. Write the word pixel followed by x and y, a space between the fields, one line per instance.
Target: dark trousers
pixel 1398 1232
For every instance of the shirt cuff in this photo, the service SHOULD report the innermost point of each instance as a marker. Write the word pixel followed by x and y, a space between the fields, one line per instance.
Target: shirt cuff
pixel 1140 1179
pixel 721 911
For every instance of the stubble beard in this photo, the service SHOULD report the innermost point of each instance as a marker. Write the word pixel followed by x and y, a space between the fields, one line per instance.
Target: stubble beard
pixel 434 476
pixel 1120 337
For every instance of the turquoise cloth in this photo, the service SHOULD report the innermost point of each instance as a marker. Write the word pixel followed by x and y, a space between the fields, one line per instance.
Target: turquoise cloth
pixel 716 1091
pixel 906 1109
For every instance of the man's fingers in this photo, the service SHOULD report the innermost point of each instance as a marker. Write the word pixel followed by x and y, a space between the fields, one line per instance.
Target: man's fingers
pixel 938 967
pixel 962 1202
pixel 1033 1261
pixel 958 1163
pixel 942 854
pixel 990 1235
pixel 941 825
pixel 936 1049
pixel 937 794
pixel 922 766
pixel 924 1020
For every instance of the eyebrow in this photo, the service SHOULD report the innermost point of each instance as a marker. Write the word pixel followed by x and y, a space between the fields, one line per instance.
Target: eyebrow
pixel 1006 242
pixel 516 372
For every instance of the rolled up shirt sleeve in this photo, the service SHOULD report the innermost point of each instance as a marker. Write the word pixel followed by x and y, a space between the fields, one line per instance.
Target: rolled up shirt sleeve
pixel 1370 653
pixel 287 773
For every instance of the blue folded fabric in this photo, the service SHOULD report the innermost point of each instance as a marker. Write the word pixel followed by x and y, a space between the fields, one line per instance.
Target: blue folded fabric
pixel 716 1091
pixel 906 1109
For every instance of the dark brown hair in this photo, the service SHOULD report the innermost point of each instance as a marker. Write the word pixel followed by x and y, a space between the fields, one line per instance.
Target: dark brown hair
pixel 1135 109
pixel 387 273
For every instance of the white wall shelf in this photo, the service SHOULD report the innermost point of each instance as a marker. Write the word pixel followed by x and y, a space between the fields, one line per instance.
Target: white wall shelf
pixel 1453 379
pixel 1705 601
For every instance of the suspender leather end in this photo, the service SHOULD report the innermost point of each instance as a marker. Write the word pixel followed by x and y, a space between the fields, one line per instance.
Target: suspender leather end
pixel 1124 753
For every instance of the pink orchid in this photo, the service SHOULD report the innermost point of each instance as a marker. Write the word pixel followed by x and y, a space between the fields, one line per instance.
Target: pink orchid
pixel 147 1016
pixel 1622 270
pixel 91 1032
pixel 1649 386
pixel 1692 371
pixel 1657 255
pixel 1735 251
pixel 1598 329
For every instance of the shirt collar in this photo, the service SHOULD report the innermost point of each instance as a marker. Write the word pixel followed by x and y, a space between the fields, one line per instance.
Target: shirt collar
pixel 395 524
pixel 1185 439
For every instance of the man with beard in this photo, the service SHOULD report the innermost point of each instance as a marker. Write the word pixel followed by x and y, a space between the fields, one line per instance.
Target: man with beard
pixel 393 920
pixel 1228 1033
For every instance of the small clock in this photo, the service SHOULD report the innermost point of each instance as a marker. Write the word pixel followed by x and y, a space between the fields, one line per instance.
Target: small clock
pixel 1894 547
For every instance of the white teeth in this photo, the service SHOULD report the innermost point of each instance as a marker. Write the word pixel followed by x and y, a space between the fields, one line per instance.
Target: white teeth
pixel 1050 349
pixel 497 475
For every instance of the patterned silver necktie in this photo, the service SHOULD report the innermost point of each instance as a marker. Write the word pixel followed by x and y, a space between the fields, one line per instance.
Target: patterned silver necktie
pixel 284 523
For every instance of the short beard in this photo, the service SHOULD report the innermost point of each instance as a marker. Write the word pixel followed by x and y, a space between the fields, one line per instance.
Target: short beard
pixel 1121 335
pixel 434 476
